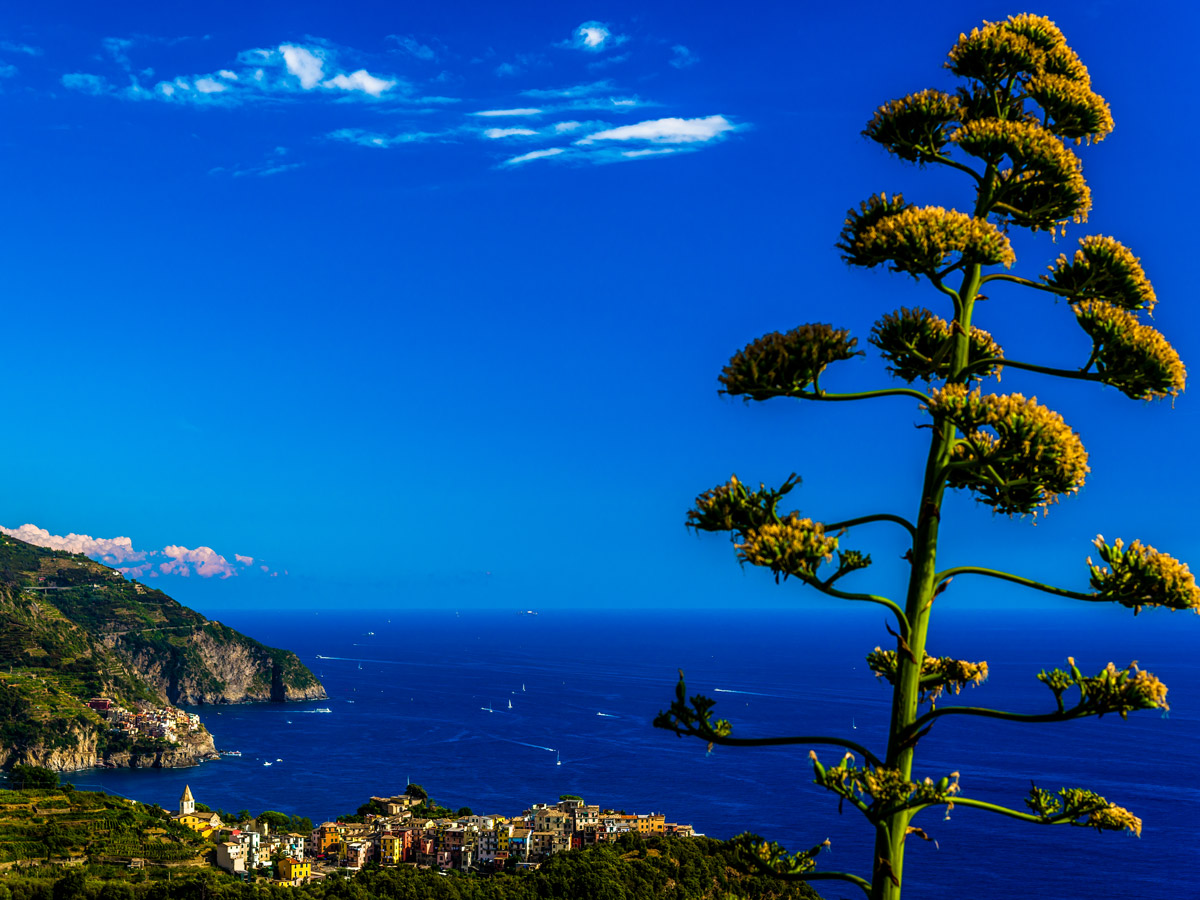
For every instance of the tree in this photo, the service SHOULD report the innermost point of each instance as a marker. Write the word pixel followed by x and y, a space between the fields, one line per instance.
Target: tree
pixel 1023 95
pixel 32 777
pixel 416 792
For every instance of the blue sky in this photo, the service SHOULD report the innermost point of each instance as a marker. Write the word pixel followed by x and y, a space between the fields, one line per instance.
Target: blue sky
pixel 424 304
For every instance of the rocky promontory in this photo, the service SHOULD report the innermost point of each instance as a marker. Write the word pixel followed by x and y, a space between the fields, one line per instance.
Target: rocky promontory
pixel 72 630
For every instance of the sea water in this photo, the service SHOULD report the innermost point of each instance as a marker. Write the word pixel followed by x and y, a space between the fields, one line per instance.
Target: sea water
pixel 424 697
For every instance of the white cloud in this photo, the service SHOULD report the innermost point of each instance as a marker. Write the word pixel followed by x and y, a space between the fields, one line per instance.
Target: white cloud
pixel 667 131
pixel 593 37
pixel 117 549
pixel 204 561
pixel 360 81
pixel 521 111
pixel 506 69
pixel 413 46
pixel 14 47
pixel 365 138
pixel 228 74
pixel 578 90
pixel 304 64
pixel 87 84
pixel 564 127
pixel 682 57
pixel 536 154
pixel 208 86
pixel 508 132
pixel 176 560
pixel 7 71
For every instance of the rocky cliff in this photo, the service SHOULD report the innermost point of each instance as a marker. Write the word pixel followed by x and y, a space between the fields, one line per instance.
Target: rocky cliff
pixel 72 629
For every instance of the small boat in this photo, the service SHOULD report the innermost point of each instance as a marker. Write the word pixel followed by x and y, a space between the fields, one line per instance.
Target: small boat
pixel 487 708
pixel 231 752
pixel 278 760
pixel 853 725
pixel 360 667
pixel 522 687
pixel 267 763
pixel 558 757
pixel 510 704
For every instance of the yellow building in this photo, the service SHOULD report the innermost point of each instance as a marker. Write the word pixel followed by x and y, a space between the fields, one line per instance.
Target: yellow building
pixel 654 823
pixel 204 822
pixel 294 870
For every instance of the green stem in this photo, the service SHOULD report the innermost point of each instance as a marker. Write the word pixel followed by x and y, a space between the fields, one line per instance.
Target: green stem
pixel 861 395
pixel 877 517
pixel 1005 811
pixel 997 714
pixel 1037 285
pixel 947 161
pixel 807 740
pixel 1081 374
pixel 1015 579
pixel 901 619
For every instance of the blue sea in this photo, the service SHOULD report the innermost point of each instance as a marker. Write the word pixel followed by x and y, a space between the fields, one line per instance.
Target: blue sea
pixel 425 696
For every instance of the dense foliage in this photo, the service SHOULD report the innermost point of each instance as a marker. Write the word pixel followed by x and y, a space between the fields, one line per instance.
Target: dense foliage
pixel 630 869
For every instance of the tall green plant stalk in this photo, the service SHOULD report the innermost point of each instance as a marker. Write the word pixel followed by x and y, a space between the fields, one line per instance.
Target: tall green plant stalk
pixel 1024 94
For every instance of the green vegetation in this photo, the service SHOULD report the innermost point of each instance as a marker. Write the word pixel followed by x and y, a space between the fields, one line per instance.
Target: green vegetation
pixel 630 869
pixel 60 822
pixel 1023 94
pixel 72 629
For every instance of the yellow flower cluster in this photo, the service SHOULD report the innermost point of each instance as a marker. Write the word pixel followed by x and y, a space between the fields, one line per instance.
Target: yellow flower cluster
pixel 1114 818
pixel 922 240
pixel 1044 189
pixel 886 786
pixel 1113 690
pixel 1029 457
pixel 731 507
pixel 1023 45
pixel 918 345
pixel 793 546
pixel 914 127
pixel 1084 808
pixel 1103 269
pixel 1141 576
pixel 938 673
pixel 772 856
pixel 1130 356
pixel 869 212
pixel 781 365
pixel 1076 110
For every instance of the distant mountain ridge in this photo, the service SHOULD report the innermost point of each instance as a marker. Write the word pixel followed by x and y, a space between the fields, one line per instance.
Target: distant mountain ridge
pixel 72 628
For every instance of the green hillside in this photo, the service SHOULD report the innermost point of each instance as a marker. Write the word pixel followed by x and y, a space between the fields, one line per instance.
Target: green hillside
pixel 72 629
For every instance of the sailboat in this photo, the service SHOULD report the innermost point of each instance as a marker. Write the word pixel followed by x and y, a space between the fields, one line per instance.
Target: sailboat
pixel 558 757
pixel 510 704
pixel 487 708
pixel 522 687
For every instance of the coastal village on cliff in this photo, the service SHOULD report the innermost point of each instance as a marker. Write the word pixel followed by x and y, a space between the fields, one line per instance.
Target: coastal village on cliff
pixel 399 835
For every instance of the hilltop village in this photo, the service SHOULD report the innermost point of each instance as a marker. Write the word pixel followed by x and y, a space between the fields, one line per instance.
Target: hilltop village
pixel 164 723
pixel 399 834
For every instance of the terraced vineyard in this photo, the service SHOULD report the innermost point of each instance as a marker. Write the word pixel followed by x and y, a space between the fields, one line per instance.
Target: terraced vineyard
pixel 57 823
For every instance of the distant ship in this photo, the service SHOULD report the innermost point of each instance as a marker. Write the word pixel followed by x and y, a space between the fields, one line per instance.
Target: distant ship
pixel 510 704
pixel 267 763
pixel 231 752
pixel 528 612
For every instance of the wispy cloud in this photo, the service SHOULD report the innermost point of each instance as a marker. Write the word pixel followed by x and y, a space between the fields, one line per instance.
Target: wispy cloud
pixel 508 132
pixel 682 57
pixel 520 111
pixel 413 47
pixel 535 154
pixel 173 559
pixel 577 90
pixel 366 138
pixel 275 164
pixel 288 70
pixel 644 140
pixel 593 37
pixel 666 131
pixel 16 47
